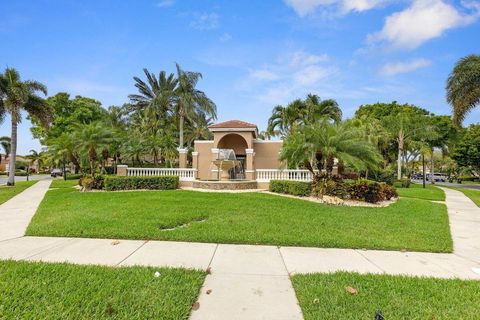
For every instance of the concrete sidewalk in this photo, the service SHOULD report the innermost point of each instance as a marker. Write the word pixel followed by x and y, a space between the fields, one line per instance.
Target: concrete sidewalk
pixel 245 281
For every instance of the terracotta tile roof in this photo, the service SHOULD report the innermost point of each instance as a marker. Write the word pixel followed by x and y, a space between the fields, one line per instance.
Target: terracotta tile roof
pixel 233 124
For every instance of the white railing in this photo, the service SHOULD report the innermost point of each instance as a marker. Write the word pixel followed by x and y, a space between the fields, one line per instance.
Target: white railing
pixel 265 175
pixel 183 173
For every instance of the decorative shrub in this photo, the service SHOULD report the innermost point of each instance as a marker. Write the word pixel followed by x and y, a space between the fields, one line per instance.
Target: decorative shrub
pixel 388 191
pixel 92 182
pixel 74 176
pixel 296 188
pixel 403 183
pixel 350 175
pixel 332 187
pixel 135 183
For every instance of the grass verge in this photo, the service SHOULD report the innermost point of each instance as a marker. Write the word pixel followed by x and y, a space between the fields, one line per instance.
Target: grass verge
pixel 64 291
pixel 7 192
pixel 418 192
pixel 252 218
pixel 473 194
pixel 324 296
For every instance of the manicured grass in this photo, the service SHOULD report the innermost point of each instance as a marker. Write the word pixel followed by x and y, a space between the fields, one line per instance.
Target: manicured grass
pixel 416 191
pixel 324 296
pixel 473 194
pixel 64 291
pixel 7 193
pixel 252 218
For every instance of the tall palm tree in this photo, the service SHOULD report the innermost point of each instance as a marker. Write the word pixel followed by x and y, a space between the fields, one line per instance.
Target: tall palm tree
pixel 17 96
pixel 156 94
pixel 197 128
pixel 190 100
pixel 463 87
pixel 5 144
pixel 323 142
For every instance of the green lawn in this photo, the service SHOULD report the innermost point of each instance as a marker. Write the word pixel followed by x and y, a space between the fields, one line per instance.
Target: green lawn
pixel 64 291
pixel 416 191
pixel 9 192
pixel 323 296
pixel 252 218
pixel 473 194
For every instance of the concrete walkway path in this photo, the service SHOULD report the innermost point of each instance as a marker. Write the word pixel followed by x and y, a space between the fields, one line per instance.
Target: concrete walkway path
pixel 244 281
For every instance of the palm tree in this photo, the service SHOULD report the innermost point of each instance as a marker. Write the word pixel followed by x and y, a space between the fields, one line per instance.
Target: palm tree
pixel 283 118
pixel 5 144
pixel 16 96
pixel 463 87
pixel 190 100
pixel 92 138
pixel 319 143
pixel 197 128
pixel 62 149
pixel 314 108
pixel 156 94
pixel 36 157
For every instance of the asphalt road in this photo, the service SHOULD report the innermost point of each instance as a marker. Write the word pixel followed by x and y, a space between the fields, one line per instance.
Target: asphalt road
pixel 3 179
pixel 448 184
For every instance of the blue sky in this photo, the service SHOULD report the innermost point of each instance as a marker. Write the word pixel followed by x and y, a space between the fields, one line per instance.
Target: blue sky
pixel 253 54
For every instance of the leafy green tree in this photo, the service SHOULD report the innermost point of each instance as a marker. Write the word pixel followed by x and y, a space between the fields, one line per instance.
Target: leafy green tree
pixel 284 118
pixel 467 149
pixel 18 96
pixel 63 150
pixel 190 100
pixel 463 87
pixel 67 114
pixel 319 143
pixel 314 109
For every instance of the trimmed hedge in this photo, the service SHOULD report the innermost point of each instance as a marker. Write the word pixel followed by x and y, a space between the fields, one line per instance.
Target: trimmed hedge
pixel 136 183
pixel 296 188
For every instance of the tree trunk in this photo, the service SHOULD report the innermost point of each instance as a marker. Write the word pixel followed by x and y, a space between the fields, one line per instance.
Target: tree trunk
pixel 400 153
pixel 432 179
pixel 13 153
pixel 182 119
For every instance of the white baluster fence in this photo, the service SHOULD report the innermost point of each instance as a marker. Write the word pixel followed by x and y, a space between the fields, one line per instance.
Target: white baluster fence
pixel 184 174
pixel 265 175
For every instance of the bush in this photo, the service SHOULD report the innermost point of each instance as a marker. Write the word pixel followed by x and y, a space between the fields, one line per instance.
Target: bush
pixel 388 191
pixel 113 183
pixel 74 176
pixel 374 193
pixel 296 188
pixel 403 183
pixel 333 187
pixel 92 182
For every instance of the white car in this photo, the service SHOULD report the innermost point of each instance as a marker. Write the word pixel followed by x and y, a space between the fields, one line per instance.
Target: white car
pixel 437 177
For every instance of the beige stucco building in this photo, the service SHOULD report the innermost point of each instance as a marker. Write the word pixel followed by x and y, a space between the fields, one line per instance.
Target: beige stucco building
pixel 242 138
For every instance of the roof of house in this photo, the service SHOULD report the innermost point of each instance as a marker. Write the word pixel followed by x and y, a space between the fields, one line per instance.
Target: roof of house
pixel 233 124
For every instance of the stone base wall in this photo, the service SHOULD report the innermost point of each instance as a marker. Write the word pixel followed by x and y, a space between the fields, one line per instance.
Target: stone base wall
pixel 225 185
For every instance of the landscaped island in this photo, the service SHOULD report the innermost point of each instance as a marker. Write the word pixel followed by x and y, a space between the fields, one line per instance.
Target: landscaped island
pixel 253 218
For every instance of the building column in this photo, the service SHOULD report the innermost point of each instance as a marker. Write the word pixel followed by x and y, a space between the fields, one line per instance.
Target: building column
pixel 182 158
pixel 195 163
pixel 215 173
pixel 250 169
pixel 122 170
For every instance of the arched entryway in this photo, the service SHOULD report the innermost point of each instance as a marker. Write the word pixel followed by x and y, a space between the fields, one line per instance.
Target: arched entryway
pixel 239 145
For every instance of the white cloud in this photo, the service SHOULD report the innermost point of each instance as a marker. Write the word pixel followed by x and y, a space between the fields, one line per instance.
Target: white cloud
pixel 422 21
pixel 205 21
pixel 165 3
pixel 225 37
pixel 306 7
pixel 263 74
pixel 292 75
pixel 391 69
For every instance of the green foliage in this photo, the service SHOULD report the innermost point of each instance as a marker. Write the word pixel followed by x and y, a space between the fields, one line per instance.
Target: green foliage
pixel 402 183
pixel 463 87
pixel 74 176
pixel 467 149
pixel 134 183
pixel 296 188
pixel 90 182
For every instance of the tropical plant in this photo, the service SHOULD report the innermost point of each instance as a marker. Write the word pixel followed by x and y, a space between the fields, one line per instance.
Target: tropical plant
pixel 18 96
pixel 320 143
pixel 35 157
pixel 314 108
pixel 91 139
pixel 62 150
pixel 190 100
pixel 463 87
